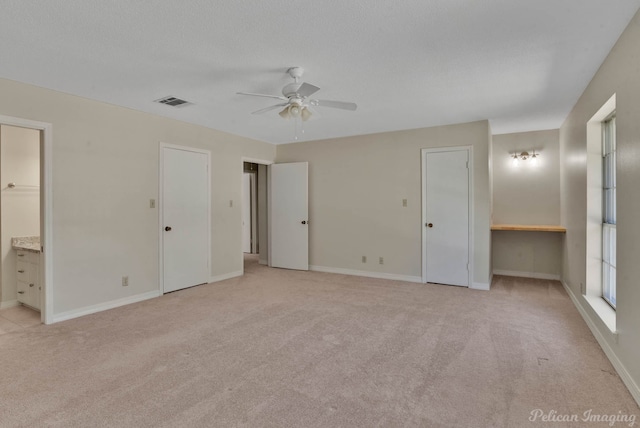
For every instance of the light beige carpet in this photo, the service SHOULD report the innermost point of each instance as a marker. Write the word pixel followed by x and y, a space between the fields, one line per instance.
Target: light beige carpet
pixel 278 348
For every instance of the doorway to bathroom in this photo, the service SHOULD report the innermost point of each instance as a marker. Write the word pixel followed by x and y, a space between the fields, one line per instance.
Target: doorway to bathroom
pixel 24 228
pixel 254 201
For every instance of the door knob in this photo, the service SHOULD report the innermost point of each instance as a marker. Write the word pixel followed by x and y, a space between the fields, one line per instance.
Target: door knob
pixel 168 228
pixel 304 222
pixel 429 224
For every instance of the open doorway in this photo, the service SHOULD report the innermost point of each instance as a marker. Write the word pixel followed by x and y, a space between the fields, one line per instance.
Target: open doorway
pixel 254 212
pixel 22 272
pixel 250 209
pixel 20 217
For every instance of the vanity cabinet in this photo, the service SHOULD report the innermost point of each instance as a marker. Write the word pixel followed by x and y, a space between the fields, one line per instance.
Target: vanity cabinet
pixel 28 278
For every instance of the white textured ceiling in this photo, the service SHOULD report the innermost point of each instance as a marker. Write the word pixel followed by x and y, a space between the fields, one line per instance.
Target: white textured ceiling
pixel 522 64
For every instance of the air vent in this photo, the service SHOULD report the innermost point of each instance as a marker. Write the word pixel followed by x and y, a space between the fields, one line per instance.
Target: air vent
pixel 173 102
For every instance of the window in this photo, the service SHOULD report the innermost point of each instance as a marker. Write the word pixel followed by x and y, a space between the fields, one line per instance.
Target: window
pixel 609 210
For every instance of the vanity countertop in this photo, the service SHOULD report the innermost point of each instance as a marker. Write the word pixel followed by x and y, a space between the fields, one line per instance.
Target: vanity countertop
pixel 28 243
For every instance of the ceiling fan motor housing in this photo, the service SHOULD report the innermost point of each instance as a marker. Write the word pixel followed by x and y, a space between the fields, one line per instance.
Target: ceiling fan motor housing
pixel 291 89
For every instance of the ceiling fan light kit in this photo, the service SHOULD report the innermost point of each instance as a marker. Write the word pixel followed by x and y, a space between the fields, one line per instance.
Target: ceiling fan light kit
pixel 297 102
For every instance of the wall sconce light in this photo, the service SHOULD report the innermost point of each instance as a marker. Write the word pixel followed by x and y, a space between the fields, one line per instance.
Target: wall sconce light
pixel 524 156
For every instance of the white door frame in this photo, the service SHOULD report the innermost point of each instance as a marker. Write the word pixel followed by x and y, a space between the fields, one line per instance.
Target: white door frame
pixel 424 153
pixel 244 159
pixel 253 188
pixel 160 205
pixel 46 208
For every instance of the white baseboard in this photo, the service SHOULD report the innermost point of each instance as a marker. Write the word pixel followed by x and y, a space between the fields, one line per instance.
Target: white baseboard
pixel 263 262
pixel 8 304
pixel 535 275
pixel 480 286
pixel 75 313
pixel 368 274
pixel 624 374
pixel 224 276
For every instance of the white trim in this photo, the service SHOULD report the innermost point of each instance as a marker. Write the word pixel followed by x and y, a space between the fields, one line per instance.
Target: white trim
pixel 536 275
pixel 253 187
pixel 160 205
pixel 471 220
pixel 624 374
pixel 87 310
pixel 224 276
pixel 255 160
pixel 46 209
pixel 593 284
pixel 9 304
pixel 253 202
pixel 604 311
pixel 480 286
pixel 368 274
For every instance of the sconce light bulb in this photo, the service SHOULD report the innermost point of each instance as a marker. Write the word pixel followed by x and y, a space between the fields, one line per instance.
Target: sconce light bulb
pixel 534 159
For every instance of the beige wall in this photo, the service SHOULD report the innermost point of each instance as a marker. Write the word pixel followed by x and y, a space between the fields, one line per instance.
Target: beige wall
pixel 526 193
pixel 356 188
pixel 20 207
pixel 105 170
pixel 618 74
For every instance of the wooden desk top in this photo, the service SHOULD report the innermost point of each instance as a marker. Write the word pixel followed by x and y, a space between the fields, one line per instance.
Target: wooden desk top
pixel 529 228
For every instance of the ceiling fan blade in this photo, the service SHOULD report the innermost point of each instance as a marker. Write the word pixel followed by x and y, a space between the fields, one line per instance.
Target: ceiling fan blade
pixel 307 89
pixel 263 95
pixel 269 108
pixel 335 104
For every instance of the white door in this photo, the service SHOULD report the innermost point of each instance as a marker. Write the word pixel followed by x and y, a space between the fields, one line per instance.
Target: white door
pixel 246 212
pixel 185 218
pixel 288 216
pixel 446 217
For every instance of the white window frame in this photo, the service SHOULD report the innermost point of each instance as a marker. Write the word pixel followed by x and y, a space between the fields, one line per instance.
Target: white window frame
pixel 592 286
pixel 609 210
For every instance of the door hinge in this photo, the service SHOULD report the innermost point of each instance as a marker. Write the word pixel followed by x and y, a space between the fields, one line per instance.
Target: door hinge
pixel 467 164
pixel 467 267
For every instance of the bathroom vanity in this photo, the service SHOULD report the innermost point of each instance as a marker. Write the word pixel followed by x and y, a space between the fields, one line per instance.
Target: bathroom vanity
pixel 28 270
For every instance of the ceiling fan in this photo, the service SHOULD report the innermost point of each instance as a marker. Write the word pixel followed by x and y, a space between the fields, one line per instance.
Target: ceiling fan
pixel 296 99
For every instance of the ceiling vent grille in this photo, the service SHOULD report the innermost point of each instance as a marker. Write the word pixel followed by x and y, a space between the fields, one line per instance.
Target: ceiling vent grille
pixel 173 102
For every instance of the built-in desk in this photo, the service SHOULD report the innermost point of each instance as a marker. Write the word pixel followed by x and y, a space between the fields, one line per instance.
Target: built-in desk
pixel 517 251
pixel 529 228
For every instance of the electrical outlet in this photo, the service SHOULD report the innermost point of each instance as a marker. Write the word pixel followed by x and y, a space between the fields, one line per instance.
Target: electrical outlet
pixel 381 260
pixel 125 281
pixel 404 202
pixel 152 203
pixel 364 259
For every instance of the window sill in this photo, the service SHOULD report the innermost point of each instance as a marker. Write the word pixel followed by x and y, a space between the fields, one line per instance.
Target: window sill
pixel 606 313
